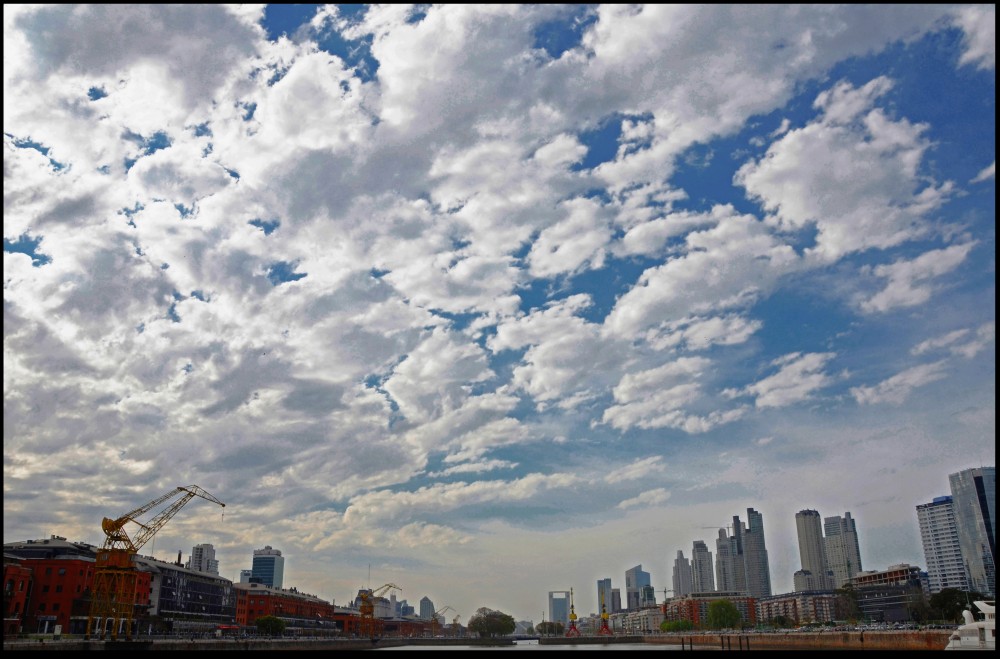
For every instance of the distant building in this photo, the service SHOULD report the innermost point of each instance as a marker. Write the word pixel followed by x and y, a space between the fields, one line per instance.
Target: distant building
pixel 942 551
pixel 702 578
pixel 802 607
pixel 889 595
pixel 245 576
pixel 682 575
pixel 559 606
pixel 604 595
pixel 694 607
pixel 635 579
pixel 426 608
pixel 203 559
pixel 268 567
pixel 725 570
pixel 758 571
pixel 616 600
pixel 843 551
pixel 974 499
pixel 815 573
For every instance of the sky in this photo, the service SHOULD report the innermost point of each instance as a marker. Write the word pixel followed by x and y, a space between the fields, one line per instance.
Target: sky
pixel 487 301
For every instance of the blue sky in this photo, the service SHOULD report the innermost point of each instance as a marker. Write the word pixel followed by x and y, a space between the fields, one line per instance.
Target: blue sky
pixel 496 299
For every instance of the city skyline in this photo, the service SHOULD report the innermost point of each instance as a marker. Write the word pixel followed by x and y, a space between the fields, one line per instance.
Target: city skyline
pixel 466 297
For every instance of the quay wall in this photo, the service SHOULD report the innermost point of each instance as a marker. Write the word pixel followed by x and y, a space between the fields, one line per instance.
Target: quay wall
pixel 930 639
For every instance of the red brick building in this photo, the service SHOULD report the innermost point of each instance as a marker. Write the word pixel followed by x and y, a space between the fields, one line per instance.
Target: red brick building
pixel 16 588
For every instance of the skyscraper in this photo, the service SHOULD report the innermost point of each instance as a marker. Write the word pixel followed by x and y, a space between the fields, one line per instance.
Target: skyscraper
pixel 635 579
pixel 974 493
pixel 203 559
pixel 942 551
pixel 725 571
pixel 604 595
pixel 559 606
pixel 616 601
pixel 843 553
pixel 758 570
pixel 815 573
pixel 268 567
pixel 702 577
pixel 739 562
pixel 682 575
pixel 426 608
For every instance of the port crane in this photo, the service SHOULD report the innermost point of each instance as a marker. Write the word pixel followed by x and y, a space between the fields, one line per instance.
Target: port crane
pixel 434 618
pixel 112 604
pixel 572 631
pixel 369 625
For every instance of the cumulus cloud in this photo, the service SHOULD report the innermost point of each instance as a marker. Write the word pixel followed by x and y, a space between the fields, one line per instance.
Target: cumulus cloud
pixel 986 173
pixel 799 376
pixel 896 388
pixel 646 499
pixel 910 282
pixel 980 40
pixel 853 174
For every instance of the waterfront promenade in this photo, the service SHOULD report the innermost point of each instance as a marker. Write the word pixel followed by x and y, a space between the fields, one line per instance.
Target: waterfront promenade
pixel 931 639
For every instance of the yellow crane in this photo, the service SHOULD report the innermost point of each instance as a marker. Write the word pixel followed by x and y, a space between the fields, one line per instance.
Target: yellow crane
pixel 112 604
pixel 369 625
pixel 434 618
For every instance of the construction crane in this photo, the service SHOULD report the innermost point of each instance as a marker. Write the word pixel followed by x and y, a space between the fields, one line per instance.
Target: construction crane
pixel 434 618
pixel 369 625
pixel 112 604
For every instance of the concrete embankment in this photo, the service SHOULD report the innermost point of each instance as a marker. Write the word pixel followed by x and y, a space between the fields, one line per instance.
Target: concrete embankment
pixel 931 639
pixel 214 645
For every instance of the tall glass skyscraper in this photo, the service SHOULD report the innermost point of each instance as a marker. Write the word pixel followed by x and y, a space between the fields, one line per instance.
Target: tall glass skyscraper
pixel 973 494
pixel 604 595
pixel 812 553
pixel 842 549
pixel 682 575
pixel 635 579
pixel 758 570
pixel 942 551
pixel 268 567
pixel 702 577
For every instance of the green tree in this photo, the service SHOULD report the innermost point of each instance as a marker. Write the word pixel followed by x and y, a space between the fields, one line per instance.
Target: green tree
pixel 270 626
pixel 723 614
pixel 550 628
pixel 847 603
pixel 676 626
pixel 948 603
pixel 489 623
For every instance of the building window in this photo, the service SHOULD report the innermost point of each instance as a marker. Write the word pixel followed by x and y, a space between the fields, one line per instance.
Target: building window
pixel 58 588
pixel 62 572
pixel 55 607
pixel 45 588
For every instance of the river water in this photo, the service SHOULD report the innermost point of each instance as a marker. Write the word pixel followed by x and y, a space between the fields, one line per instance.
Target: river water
pixel 533 645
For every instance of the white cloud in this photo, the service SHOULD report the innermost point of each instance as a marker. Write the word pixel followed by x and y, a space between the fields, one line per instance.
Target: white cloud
pixel 637 470
pixel 853 174
pixel 910 282
pixel 646 499
pixel 980 41
pixel 896 388
pixel 799 377
pixel 986 173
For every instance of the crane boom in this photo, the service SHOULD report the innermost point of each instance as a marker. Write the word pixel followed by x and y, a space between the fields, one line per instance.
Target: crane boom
pixel 112 608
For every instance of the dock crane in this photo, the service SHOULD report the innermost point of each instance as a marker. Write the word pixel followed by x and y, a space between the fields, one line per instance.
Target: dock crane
pixel 112 604
pixel 369 625
pixel 434 618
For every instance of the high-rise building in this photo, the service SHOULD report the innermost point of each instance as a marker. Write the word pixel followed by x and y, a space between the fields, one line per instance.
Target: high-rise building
pixel 702 578
pixel 725 571
pixel 616 600
pixel 739 558
pixel 682 575
pixel 843 553
pixel 758 570
pixel 245 576
pixel 559 606
pixel 942 551
pixel 268 567
pixel 203 559
pixel 635 579
pixel 604 595
pixel 973 493
pixel 815 573
pixel 426 608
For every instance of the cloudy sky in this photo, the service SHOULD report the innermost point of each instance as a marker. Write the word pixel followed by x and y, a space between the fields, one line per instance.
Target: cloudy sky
pixel 495 300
